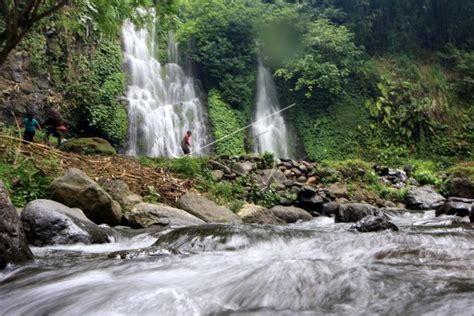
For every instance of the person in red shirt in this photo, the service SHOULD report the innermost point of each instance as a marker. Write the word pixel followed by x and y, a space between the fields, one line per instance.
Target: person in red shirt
pixel 186 143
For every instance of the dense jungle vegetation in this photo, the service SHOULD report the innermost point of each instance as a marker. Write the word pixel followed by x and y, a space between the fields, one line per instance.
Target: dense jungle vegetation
pixel 378 80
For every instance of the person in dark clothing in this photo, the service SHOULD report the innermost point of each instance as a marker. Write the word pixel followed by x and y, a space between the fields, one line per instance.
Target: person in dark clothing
pixel 30 124
pixel 54 126
pixel 186 143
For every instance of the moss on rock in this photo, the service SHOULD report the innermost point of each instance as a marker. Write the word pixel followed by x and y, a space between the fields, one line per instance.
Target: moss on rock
pixel 90 146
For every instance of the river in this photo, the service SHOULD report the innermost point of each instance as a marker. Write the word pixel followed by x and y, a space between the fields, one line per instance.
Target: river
pixel 311 268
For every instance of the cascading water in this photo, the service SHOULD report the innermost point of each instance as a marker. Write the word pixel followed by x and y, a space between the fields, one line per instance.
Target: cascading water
pixel 270 134
pixel 313 268
pixel 163 102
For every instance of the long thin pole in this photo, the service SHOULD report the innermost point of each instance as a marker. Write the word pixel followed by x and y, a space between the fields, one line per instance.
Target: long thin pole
pixel 243 128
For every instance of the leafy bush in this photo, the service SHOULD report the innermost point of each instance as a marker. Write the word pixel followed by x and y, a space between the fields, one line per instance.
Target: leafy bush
pixel 24 182
pixel 224 122
pixel 191 167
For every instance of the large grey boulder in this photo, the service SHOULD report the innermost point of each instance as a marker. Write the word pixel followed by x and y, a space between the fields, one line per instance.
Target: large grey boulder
pixel 255 214
pixel 13 243
pixel 273 176
pixel 76 189
pixel 291 214
pixel 424 198
pixel 207 210
pixel 242 168
pixel 144 215
pixel 338 190
pixel 354 212
pixel 455 206
pixel 48 222
pixel 373 223
pixel 120 192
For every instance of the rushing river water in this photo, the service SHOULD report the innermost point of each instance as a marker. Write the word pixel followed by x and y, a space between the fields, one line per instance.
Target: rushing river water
pixel 310 268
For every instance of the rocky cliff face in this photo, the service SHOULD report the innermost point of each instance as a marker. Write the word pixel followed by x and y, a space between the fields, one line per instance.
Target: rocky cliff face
pixel 21 89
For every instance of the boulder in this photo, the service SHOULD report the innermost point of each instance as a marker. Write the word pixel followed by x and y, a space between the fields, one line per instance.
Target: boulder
pixel 354 212
pixel 462 187
pixel 296 171
pixel 48 222
pixel 144 215
pixel 424 198
pixel 373 223
pixel 13 243
pixel 76 189
pixel 215 165
pixel 458 207
pixel 255 214
pixel 207 210
pixel 217 175
pixel 291 214
pixel 273 176
pixel 120 192
pixel 338 190
pixel 242 168
pixel 90 146
pixel 309 200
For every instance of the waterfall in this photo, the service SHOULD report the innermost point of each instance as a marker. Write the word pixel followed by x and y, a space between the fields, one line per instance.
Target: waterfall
pixel 163 102
pixel 270 134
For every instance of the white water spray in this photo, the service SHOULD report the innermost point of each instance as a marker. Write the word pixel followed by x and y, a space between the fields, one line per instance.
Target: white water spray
pixel 270 134
pixel 162 100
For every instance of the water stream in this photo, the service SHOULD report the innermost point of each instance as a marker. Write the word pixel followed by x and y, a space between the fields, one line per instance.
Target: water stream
pixel 270 133
pixel 310 268
pixel 163 101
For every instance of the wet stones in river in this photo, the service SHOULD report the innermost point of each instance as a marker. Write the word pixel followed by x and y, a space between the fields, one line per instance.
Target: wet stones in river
pixel 13 243
pixel 424 198
pixel 374 223
pixel 76 189
pixel 309 200
pixel 255 214
pixel 354 212
pixel 207 210
pixel 48 222
pixel 291 214
pixel 456 206
pixel 144 215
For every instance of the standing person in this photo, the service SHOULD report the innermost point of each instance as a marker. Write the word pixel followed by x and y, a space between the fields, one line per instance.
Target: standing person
pixel 30 124
pixel 54 126
pixel 186 143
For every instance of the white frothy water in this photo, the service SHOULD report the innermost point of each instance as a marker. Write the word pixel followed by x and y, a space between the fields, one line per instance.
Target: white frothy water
pixel 270 134
pixel 313 268
pixel 163 102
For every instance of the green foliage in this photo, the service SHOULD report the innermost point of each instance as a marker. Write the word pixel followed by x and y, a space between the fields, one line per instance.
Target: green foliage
pixel 462 170
pixel 268 160
pixel 225 121
pixel 223 46
pixel 325 63
pixel 99 112
pixel 152 196
pixel 336 132
pixel 24 182
pixel 190 167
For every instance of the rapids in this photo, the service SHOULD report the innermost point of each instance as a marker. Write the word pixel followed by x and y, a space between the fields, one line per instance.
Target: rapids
pixel 311 268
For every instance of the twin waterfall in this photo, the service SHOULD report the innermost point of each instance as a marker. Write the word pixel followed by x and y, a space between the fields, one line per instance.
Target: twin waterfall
pixel 269 131
pixel 163 103
pixel 162 99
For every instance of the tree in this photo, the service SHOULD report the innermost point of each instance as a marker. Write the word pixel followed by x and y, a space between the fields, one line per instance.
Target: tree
pixel 19 17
